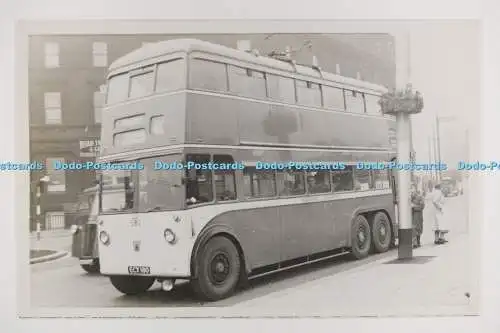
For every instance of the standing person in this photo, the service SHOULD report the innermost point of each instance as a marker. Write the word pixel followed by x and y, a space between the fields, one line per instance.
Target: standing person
pixel 437 214
pixel 417 209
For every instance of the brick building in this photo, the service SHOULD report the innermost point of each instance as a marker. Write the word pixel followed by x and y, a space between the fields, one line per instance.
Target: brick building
pixel 66 73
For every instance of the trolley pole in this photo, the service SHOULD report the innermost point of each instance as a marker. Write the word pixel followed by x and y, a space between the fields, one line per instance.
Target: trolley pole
pixel 402 105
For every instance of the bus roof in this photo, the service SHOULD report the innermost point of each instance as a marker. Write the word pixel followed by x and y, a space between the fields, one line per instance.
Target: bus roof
pixel 156 50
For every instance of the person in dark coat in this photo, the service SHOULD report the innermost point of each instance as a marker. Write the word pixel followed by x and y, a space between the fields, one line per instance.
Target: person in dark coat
pixel 417 204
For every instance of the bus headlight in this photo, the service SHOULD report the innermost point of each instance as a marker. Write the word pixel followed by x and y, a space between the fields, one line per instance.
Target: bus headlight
pixel 74 229
pixel 104 237
pixel 169 236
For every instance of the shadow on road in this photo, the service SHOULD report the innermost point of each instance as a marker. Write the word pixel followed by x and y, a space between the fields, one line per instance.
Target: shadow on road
pixel 182 296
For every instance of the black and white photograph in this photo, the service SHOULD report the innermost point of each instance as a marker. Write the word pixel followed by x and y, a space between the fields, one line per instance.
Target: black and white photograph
pixel 251 171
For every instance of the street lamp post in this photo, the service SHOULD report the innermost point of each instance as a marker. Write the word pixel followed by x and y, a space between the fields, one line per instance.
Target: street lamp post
pixel 39 183
pixel 402 105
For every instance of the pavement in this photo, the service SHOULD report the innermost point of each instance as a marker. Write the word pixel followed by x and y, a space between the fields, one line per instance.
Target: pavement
pixel 338 287
pixel 55 240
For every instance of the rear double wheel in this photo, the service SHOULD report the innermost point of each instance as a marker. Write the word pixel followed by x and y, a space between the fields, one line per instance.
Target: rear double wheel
pixel 361 238
pixel 219 269
pixel 381 233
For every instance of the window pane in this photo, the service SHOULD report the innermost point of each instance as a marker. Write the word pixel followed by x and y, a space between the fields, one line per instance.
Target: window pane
pixel 160 189
pixel 281 88
pixel 354 101
pixel 343 179
pixel 129 138
pixel 157 123
pixel 57 176
pixel 225 181
pixel 52 100
pixel 246 82
pixel 259 183
pixel 141 85
pixel 117 196
pixel 362 181
pixel 198 182
pixel 372 106
pixel 208 75
pixel 333 97
pixel 53 116
pixel 318 182
pixel 308 93
pixel 117 89
pixel 171 76
pixel 381 179
pixel 291 183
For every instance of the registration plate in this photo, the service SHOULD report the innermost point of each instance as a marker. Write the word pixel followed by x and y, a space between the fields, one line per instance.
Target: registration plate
pixel 145 270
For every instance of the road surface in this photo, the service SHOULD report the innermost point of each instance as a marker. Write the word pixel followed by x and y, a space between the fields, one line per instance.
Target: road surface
pixel 64 284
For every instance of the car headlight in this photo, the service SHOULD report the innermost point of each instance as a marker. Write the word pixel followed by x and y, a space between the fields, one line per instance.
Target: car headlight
pixel 169 236
pixel 74 228
pixel 104 237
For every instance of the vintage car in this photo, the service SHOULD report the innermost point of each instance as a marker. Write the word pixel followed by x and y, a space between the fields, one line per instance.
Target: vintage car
pixel 84 245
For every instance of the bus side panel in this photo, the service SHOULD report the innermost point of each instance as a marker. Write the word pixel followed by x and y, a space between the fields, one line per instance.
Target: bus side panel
pixel 307 229
pixel 211 120
pixel 258 231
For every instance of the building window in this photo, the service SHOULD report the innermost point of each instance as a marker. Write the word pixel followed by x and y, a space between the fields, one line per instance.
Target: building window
pixel 51 55
pixel 57 176
pixel 98 106
pixel 100 54
pixel 52 104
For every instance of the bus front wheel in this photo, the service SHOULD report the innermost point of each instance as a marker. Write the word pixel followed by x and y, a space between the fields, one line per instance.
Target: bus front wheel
pixel 381 233
pixel 219 267
pixel 361 238
pixel 131 285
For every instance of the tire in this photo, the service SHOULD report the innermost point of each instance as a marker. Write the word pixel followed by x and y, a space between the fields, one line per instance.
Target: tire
pixel 219 253
pixel 360 245
pixel 381 233
pixel 131 285
pixel 92 268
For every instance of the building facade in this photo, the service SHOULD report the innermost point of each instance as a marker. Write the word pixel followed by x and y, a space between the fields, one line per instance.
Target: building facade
pixel 66 74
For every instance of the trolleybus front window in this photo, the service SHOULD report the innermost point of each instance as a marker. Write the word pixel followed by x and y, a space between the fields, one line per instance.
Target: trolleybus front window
pixel 117 197
pixel 161 184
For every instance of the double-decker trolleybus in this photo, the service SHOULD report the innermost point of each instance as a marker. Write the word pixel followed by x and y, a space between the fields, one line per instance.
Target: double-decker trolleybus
pixel 192 102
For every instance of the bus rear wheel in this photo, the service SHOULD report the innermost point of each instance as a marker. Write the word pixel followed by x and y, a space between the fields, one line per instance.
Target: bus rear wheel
pixel 361 238
pixel 131 285
pixel 381 233
pixel 219 268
